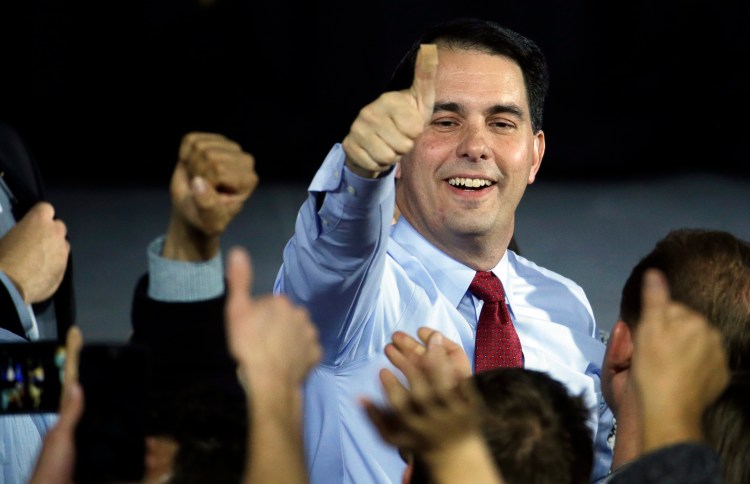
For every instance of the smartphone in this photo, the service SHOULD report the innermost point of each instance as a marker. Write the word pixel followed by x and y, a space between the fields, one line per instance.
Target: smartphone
pixel 31 377
pixel 110 437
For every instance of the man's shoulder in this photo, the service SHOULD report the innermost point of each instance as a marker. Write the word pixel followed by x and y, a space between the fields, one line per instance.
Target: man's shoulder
pixel 530 271
pixel 541 293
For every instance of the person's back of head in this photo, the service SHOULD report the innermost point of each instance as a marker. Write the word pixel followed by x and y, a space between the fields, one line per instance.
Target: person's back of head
pixel 535 429
pixel 726 425
pixel 209 424
pixel 491 38
pixel 707 270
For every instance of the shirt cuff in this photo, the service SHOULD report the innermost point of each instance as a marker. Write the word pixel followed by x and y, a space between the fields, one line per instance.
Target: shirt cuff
pixel 25 313
pixel 354 190
pixel 180 281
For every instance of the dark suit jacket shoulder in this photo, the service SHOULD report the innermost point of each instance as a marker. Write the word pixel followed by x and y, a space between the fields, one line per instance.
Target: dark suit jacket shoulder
pixel 692 463
pixel 21 173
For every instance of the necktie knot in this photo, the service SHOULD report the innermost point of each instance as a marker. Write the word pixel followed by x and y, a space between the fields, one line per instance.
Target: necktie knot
pixel 487 287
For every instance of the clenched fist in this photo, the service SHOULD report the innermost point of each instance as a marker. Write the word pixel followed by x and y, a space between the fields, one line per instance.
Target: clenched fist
pixel 34 253
pixel 211 181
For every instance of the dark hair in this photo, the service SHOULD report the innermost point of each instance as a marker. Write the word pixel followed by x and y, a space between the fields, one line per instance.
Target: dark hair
pixel 536 431
pixel 211 433
pixel 726 425
pixel 707 270
pixel 492 38
pixel 535 428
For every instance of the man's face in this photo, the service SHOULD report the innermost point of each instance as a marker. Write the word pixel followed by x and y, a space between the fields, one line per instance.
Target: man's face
pixel 468 170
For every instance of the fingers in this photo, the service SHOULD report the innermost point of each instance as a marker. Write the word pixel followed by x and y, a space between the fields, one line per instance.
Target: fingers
pixel 429 371
pixel 205 196
pixel 197 140
pixel 71 403
pixel 438 364
pixel 456 353
pixel 654 295
pixel 219 160
pixel 73 344
pixel 386 422
pixel 71 407
pixel 423 86
pixel 407 346
pixel 239 274
pixel 238 304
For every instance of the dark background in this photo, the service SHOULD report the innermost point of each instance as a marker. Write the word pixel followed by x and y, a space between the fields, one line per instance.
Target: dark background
pixel 104 90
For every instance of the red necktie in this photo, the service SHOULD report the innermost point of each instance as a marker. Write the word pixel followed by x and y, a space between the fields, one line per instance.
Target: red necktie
pixel 497 343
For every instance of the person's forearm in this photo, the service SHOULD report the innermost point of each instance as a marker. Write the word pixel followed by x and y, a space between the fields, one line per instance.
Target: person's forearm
pixel 338 249
pixel 186 243
pixel 275 450
pixel 467 461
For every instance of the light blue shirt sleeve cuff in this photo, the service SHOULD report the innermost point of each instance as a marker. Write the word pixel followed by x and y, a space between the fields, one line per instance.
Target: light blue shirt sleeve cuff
pixel 180 281
pixel 356 191
pixel 21 308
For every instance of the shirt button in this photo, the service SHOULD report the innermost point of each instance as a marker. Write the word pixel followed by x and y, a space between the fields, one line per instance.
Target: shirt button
pixel 351 190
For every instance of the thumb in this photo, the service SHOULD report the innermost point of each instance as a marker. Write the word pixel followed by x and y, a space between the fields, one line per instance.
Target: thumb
pixel 654 295
pixel 239 274
pixel 423 86
pixel 204 194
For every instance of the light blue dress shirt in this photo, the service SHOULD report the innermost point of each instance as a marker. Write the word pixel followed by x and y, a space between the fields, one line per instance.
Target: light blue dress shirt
pixel 362 278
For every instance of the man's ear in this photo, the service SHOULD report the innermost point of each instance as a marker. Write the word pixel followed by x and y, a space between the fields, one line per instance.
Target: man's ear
pixel 619 348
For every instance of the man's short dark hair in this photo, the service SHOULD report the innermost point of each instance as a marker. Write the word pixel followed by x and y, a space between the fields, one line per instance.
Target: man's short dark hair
pixel 707 270
pixel 535 429
pixel 491 38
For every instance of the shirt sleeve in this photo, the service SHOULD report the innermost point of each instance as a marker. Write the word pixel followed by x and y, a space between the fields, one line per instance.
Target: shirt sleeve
pixel 180 281
pixel 334 262
pixel 15 311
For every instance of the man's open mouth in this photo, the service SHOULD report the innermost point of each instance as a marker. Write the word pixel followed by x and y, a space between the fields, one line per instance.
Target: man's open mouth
pixel 470 183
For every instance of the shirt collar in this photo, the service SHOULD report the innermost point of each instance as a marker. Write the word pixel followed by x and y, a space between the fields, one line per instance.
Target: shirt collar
pixel 450 276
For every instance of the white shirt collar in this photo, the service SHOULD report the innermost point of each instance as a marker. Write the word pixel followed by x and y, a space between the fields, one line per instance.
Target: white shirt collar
pixel 450 276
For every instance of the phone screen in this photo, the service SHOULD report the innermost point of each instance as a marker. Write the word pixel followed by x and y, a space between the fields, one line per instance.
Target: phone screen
pixel 110 437
pixel 31 377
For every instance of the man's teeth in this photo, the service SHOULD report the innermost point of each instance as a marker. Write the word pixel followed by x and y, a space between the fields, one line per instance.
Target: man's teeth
pixel 469 182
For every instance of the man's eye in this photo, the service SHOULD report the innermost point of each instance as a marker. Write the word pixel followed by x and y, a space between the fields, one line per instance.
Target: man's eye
pixel 502 124
pixel 445 123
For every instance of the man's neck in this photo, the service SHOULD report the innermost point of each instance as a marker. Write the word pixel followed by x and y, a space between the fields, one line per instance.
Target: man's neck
pixel 479 253
pixel 628 437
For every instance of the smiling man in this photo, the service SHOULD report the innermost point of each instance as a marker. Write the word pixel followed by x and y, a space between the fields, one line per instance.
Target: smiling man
pixel 465 140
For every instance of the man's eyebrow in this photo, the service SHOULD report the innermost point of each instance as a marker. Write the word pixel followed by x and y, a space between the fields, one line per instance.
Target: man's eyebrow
pixel 453 107
pixel 448 106
pixel 512 109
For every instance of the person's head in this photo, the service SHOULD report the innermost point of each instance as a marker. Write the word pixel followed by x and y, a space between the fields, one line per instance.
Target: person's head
pixel 535 429
pixel 201 435
pixel 708 271
pixel 461 183
pixel 726 425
